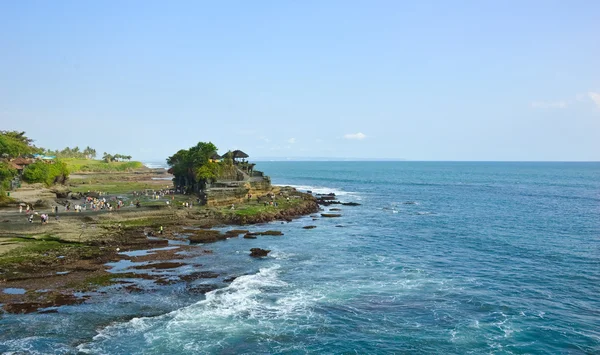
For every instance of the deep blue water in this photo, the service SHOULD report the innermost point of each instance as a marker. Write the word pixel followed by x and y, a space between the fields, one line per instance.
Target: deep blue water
pixel 440 258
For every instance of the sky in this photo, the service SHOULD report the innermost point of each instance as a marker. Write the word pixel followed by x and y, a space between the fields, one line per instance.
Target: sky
pixel 416 80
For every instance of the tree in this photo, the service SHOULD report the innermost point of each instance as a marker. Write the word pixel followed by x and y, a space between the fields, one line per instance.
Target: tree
pixel 107 157
pixel 14 144
pixel 188 166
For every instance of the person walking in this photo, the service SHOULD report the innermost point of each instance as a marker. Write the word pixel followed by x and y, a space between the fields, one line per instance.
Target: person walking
pixel 20 209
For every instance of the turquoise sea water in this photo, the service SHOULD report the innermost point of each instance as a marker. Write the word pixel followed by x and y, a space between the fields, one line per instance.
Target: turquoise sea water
pixel 440 258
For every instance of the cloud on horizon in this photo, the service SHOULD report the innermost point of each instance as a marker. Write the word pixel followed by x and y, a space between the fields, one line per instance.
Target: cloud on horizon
pixel 355 136
pixel 595 96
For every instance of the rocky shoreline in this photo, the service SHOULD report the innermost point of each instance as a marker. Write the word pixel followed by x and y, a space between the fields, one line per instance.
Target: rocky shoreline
pixel 67 262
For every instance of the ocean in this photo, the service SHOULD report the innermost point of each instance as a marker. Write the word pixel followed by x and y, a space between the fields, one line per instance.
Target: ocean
pixel 439 258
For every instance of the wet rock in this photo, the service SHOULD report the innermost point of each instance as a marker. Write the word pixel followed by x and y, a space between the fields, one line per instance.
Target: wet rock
pixel 309 227
pixel 199 275
pixel 249 236
pixel 165 265
pixel 230 279
pixel 335 209
pixel 258 252
pixel 237 231
pixel 206 236
pixel 340 226
pixel 202 288
pixel 57 301
pixel 269 232
pixel 330 215
pixel 133 288
pixel 350 203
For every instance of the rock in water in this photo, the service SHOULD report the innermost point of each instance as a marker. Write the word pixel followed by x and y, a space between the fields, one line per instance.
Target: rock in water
pixel 330 215
pixel 309 227
pixel 206 236
pixel 258 252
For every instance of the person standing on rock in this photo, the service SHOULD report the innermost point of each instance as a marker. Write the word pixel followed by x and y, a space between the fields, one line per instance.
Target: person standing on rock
pixel 20 209
pixel 27 210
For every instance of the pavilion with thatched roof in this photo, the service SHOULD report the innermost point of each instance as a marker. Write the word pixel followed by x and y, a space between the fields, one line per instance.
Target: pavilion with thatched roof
pixel 238 154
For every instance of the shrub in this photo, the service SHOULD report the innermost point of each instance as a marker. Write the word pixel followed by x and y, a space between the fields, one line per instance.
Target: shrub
pixel 46 173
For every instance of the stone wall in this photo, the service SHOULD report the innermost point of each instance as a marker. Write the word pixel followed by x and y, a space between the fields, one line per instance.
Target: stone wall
pixel 223 196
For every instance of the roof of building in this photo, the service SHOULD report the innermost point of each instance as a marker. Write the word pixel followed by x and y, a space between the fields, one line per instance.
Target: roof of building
pixel 239 154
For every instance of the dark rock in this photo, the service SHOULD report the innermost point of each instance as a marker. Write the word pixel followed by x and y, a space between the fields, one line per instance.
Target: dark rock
pixel 314 219
pixel 350 203
pixel 202 288
pixel 199 275
pixel 271 232
pixel 237 231
pixel 330 215
pixel 133 288
pixel 258 252
pixel 206 236
pixel 340 226
pixel 249 236
pixel 335 209
pixel 165 265
pixel 230 279
pixel 309 227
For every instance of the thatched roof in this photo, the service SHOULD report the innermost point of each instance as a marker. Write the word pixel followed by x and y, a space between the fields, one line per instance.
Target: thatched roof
pixel 215 156
pixel 239 154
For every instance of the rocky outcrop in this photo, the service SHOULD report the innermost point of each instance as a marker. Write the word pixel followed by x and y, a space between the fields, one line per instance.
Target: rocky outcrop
pixel 350 204
pixel 330 215
pixel 206 236
pixel 303 208
pixel 258 252
pixel 309 227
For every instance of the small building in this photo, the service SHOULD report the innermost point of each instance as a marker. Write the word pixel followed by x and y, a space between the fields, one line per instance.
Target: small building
pixel 19 164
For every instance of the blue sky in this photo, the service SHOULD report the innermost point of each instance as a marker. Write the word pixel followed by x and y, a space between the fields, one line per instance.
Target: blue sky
pixel 442 80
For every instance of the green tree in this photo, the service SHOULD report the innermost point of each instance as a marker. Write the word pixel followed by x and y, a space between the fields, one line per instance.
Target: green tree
pixel 14 144
pixel 186 163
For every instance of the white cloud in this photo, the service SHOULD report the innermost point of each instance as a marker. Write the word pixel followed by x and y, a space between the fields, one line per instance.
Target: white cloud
pixel 357 136
pixel 292 140
pixel 264 139
pixel 595 96
pixel 550 104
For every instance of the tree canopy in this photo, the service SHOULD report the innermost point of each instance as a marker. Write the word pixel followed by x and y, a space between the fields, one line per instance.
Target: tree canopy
pixel 192 167
pixel 14 144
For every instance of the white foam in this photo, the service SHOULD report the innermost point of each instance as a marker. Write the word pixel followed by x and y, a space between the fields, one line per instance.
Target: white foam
pixel 155 165
pixel 322 190
pixel 224 312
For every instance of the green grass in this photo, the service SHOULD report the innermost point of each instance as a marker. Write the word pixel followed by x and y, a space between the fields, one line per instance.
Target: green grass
pixel 88 165
pixel 253 208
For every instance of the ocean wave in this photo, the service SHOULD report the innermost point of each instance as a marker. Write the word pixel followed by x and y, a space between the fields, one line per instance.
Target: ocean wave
pixel 223 313
pixel 321 189
pixel 155 165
